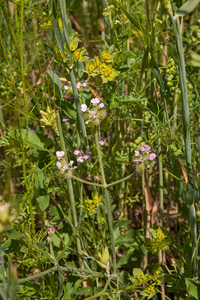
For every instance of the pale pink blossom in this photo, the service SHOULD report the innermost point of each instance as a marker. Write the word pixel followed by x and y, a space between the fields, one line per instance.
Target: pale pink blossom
pixel 136 153
pixel 152 156
pixel 147 147
pixel 101 105
pixel 84 84
pixel 83 107
pixel 95 101
pixel 60 154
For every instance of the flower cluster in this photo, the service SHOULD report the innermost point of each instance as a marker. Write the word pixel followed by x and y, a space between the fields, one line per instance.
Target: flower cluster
pixel 65 168
pixel 143 158
pixel 78 85
pixel 82 156
pixel 96 114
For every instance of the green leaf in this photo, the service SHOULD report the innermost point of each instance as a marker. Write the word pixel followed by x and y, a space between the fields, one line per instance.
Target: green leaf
pixel 193 288
pixel 69 110
pixel 47 48
pixel 187 7
pixel 13 234
pixel 37 140
pixel 11 246
pixel 121 223
pixel 16 201
pixel 124 56
pixel 43 201
pixel 55 79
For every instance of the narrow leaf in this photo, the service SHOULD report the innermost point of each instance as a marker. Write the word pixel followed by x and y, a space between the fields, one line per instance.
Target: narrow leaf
pixel 187 7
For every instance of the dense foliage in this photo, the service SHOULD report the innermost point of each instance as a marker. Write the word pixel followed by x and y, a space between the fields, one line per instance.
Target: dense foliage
pixel 99 148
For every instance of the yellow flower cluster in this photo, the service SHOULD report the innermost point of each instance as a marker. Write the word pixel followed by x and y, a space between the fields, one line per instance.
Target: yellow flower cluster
pixel 102 66
pixel 49 119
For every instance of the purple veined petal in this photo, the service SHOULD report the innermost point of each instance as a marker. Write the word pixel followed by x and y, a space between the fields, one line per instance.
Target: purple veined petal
pixel 142 148
pixel 59 165
pixel 88 152
pixel 136 153
pixel 65 119
pixel 80 159
pixel 152 156
pixel 101 105
pixel 60 154
pixel 83 107
pixel 147 147
pixel 77 152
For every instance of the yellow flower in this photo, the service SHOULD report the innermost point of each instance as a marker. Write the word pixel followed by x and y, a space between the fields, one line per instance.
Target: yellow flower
pixel 107 56
pixel 79 55
pixel 109 74
pixel 91 67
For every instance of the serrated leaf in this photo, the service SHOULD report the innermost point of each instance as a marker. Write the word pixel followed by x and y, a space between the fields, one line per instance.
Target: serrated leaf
pixel 187 7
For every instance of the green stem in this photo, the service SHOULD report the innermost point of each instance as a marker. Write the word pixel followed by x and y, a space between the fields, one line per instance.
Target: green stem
pixel 186 129
pixel 69 181
pixel 64 16
pixel 108 203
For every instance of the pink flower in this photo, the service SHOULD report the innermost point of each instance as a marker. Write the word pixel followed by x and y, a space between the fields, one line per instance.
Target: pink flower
pixel 51 229
pixel 136 153
pixel 66 87
pixel 48 239
pixel 152 156
pixel 142 148
pixel 78 85
pixel 80 159
pixel 77 152
pixel 59 165
pixel 84 84
pixel 65 119
pixel 102 141
pixel 87 57
pixel 147 147
pixel 101 105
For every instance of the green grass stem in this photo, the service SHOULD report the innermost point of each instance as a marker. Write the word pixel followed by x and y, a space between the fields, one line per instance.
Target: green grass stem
pixel 81 124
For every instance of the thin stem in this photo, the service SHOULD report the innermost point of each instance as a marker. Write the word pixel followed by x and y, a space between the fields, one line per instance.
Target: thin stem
pixel 64 17
pixel 108 203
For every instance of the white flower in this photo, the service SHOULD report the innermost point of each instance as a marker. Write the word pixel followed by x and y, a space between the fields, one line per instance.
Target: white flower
pixel 95 101
pixel 60 154
pixel 83 107
pixel 101 105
